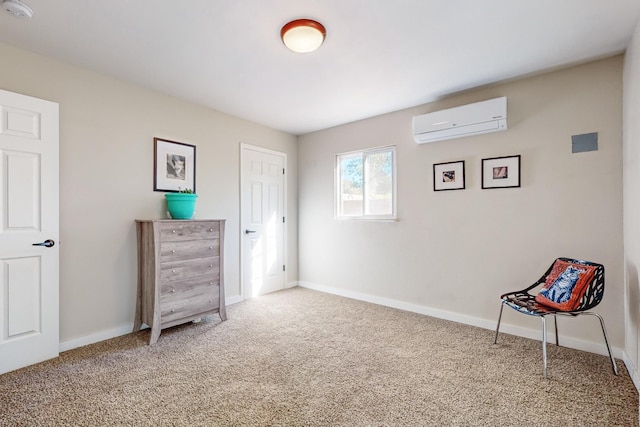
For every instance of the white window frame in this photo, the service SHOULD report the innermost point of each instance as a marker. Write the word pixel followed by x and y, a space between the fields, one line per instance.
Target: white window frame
pixel 338 186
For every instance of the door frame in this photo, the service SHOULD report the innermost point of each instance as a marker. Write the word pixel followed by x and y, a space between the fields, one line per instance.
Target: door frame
pixel 243 148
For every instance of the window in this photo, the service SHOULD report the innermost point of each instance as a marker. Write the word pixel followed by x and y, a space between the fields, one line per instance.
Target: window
pixel 365 184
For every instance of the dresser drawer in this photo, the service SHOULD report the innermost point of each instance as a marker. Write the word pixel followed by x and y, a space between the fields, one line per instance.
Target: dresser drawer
pixel 200 286
pixel 179 270
pixel 188 249
pixel 188 230
pixel 189 301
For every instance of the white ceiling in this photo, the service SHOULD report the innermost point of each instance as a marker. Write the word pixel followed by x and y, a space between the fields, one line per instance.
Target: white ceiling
pixel 379 55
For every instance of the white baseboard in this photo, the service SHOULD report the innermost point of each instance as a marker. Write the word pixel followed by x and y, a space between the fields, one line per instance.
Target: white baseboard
pixel 112 333
pixel 233 299
pixel 592 347
pixel 94 338
pixel 633 372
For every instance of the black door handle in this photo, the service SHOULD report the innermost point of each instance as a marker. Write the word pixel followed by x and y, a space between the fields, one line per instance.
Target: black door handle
pixel 249 231
pixel 47 243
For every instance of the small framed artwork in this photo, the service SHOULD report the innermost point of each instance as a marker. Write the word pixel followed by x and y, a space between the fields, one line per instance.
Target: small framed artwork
pixel 501 172
pixel 448 176
pixel 174 166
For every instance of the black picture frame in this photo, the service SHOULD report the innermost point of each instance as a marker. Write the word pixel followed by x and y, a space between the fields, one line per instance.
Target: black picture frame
pixel 174 166
pixel 448 176
pixel 501 172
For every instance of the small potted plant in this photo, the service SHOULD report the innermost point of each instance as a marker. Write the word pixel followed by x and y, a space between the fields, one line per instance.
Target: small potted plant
pixel 181 205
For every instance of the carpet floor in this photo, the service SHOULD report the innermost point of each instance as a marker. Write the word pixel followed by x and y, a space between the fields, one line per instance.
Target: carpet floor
pixel 305 358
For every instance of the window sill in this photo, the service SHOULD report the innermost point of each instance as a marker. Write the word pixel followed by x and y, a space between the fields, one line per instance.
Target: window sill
pixel 364 218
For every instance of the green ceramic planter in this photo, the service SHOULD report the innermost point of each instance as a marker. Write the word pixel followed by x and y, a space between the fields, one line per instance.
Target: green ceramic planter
pixel 181 205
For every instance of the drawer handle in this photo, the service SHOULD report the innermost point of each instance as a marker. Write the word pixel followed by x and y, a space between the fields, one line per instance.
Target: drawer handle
pixel 173 251
pixel 173 270
pixel 210 265
pixel 173 231
pixel 173 290
pixel 211 283
pixel 210 247
pixel 173 310
pixel 211 229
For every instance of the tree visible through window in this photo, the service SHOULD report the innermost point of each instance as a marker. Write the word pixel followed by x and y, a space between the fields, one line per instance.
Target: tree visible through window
pixel 366 184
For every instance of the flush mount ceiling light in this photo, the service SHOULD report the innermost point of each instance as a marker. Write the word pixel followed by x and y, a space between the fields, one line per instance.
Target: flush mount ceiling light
pixel 303 35
pixel 17 8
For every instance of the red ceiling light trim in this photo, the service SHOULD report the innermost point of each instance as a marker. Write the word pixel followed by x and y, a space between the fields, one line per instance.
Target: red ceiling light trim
pixel 303 23
pixel 303 35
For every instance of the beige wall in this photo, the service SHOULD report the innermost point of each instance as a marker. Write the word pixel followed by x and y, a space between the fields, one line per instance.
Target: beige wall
pixel 631 151
pixel 452 253
pixel 106 181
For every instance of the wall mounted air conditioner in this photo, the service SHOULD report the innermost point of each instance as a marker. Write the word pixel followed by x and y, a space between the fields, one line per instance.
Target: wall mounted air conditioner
pixel 472 119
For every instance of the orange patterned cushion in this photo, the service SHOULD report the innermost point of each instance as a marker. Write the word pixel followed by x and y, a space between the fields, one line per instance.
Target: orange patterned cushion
pixel 565 285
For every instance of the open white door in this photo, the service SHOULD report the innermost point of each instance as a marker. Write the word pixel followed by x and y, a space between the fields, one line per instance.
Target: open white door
pixel 28 231
pixel 262 220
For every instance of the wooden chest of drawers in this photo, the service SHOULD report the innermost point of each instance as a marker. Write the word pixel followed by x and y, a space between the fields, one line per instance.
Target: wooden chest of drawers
pixel 180 272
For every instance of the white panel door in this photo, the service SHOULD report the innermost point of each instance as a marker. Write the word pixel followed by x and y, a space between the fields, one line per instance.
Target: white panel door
pixel 262 221
pixel 28 231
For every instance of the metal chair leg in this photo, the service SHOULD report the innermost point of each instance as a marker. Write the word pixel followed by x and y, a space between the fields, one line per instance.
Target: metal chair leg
pixel 495 339
pixel 544 346
pixel 555 322
pixel 606 340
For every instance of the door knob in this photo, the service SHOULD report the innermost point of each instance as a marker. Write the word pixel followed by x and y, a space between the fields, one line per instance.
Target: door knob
pixel 249 231
pixel 47 243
